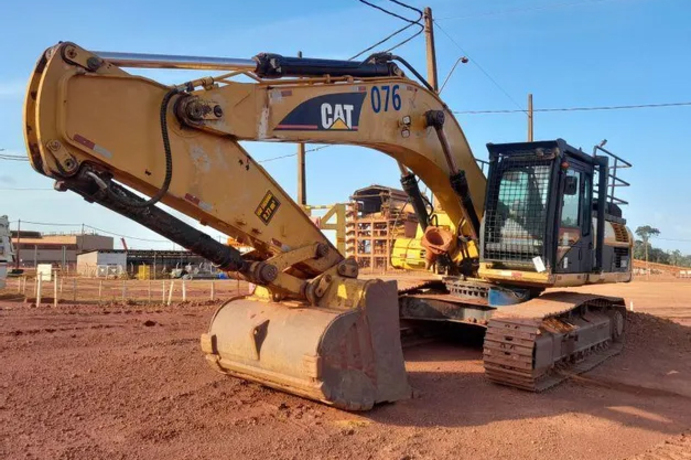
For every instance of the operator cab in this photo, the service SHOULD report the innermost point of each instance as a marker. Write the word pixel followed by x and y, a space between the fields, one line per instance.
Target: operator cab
pixel 540 210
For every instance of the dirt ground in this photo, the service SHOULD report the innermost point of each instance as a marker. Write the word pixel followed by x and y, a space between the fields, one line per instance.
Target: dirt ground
pixel 129 382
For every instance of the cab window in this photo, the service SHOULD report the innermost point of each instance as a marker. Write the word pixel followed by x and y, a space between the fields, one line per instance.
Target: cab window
pixel 571 204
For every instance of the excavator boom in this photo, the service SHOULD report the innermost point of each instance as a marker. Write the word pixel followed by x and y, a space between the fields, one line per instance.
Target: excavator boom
pixel 313 328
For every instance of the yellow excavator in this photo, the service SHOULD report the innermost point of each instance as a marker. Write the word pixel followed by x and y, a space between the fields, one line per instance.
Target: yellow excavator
pixel 313 327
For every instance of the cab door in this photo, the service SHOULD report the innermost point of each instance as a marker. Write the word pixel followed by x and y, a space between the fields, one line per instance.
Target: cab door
pixel 575 236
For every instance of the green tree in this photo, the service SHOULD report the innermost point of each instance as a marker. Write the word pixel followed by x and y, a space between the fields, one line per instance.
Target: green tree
pixel 646 232
pixel 675 257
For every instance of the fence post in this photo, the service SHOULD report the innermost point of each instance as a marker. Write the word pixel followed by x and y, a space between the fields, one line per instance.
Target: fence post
pixel 38 290
pixel 170 293
pixel 184 291
pixel 74 289
pixel 23 283
pixel 213 290
pixel 100 290
pixel 163 292
pixel 55 291
pixel 149 290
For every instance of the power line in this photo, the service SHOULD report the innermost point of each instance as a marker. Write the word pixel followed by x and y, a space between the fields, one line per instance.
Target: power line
pixel 410 23
pixel 289 155
pixel 576 109
pixel 52 224
pixel 56 224
pixel 21 189
pixel 522 10
pixel 126 236
pixel 477 64
pixel 4 156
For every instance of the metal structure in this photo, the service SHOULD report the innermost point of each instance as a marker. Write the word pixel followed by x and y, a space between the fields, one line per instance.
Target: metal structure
pixel 376 217
pixel 333 219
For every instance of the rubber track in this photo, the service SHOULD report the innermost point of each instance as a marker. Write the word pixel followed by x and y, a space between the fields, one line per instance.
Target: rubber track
pixel 512 332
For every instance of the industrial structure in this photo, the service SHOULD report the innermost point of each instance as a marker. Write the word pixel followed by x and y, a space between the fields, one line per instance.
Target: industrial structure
pixel 60 249
pixel 376 216
pixel 142 263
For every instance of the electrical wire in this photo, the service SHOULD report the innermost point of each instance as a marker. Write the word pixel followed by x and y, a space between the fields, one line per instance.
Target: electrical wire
pixel 577 109
pixel 4 156
pixel 125 236
pixel 522 10
pixel 290 155
pixel 55 224
pixel 410 24
pixel 477 64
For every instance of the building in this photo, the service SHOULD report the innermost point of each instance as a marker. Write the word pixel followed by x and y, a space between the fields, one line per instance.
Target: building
pixel 33 248
pixel 156 264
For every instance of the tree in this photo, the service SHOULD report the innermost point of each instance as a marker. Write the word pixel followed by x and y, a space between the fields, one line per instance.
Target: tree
pixel 676 258
pixel 646 232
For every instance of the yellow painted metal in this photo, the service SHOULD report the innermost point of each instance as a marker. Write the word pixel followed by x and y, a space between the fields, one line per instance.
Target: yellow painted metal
pixel 144 272
pixel 335 338
pixel 333 211
pixel 349 357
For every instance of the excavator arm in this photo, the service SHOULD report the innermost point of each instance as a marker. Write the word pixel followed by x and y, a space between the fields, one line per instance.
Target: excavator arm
pixel 94 128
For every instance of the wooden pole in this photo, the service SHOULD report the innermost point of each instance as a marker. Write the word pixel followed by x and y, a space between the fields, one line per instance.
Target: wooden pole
pixel 530 117
pixel 184 291
pixel 149 290
pixel 213 290
pixel 100 290
pixel 302 169
pixel 170 293
pixel 74 290
pixel 163 291
pixel 431 52
pixel 55 291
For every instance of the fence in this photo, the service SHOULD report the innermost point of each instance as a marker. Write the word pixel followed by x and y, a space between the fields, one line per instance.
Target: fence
pixel 86 290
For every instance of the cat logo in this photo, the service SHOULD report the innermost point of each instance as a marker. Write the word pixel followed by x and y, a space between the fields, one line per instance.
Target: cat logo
pixel 337 112
pixel 337 116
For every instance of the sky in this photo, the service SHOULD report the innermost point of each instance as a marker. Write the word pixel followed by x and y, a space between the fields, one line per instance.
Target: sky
pixel 577 53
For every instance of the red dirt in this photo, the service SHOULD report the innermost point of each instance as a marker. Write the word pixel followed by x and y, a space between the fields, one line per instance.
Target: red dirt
pixel 97 382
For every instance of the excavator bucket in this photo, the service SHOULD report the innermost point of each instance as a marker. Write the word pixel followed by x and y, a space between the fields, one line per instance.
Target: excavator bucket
pixel 351 359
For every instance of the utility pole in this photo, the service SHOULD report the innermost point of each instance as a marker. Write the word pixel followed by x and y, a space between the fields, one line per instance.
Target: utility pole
pixel 302 175
pixel 431 61
pixel 530 117
pixel 431 53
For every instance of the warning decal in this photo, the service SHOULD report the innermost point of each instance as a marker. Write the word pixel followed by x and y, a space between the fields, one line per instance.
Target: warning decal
pixel 267 208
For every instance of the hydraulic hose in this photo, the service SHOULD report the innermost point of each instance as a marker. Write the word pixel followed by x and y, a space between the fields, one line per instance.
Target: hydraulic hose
pixel 168 156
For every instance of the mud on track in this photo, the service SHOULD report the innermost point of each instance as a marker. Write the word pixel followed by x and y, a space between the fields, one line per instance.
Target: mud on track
pixel 91 382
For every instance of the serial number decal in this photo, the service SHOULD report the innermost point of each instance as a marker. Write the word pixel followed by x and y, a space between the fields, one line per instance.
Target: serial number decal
pixel 267 208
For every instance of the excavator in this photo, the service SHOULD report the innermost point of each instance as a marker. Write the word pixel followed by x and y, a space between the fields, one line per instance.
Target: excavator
pixel 313 327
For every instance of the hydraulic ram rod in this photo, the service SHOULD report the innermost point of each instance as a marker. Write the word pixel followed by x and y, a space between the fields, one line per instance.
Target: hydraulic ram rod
pixel 264 65
pixel 170 61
